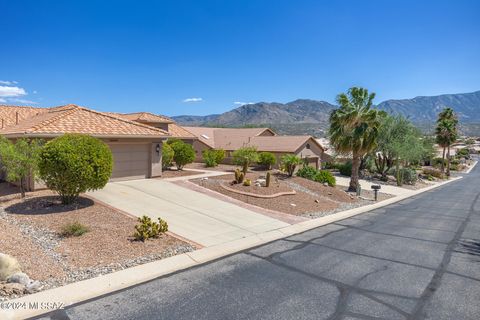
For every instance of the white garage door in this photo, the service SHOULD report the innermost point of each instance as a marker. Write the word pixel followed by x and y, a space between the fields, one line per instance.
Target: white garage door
pixel 130 161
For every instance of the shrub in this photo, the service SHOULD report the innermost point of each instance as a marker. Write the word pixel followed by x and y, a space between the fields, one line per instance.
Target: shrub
pixel 463 153
pixel 245 157
pixel 74 229
pixel 267 160
pixel 167 155
pixel 324 176
pixel 307 172
pixel 247 182
pixel 433 172
pixel 183 153
pixel 345 168
pixel 290 162
pixel 213 157
pixel 437 162
pixel 147 228
pixel 73 164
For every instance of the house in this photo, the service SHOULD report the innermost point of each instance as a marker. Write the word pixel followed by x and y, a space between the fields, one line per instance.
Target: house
pixel 136 146
pixel 264 139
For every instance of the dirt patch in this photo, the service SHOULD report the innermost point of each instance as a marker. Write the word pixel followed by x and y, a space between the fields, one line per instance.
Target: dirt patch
pixel 177 173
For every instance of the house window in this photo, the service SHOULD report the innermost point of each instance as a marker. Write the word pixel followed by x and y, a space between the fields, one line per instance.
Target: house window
pixel 308 146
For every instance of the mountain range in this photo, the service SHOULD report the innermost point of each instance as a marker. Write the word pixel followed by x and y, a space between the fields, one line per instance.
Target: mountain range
pixel 304 116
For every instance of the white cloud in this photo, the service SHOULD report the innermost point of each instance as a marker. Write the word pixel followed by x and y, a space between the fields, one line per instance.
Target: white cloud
pixel 2 100
pixel 8 83
pixel 22 101
pixel 11 91
pixel 193 100
pixel 35 92
pixel 239 103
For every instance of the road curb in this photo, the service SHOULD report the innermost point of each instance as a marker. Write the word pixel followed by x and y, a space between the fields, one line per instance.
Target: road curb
pixel 92 288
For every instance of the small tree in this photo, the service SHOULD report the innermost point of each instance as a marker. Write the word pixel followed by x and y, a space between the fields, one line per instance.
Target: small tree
pixel 167 155
pixel 267 160
pixel 73 164
pixel 290 162
pixel 245 157
pixel 183 153
pixel 20 160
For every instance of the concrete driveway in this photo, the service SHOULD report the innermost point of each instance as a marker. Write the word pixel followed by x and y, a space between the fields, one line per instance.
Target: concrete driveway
pixel 192 215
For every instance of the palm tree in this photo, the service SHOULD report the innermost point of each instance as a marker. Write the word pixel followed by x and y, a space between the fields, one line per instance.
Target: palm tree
pixel 446 133
pixel 354 128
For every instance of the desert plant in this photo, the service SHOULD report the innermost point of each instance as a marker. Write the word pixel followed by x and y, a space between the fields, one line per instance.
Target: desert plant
pixel 239 176
pixel 74 229
pixel 354 128
pixel 433 172
pixel 247 182
pixel 307 172
pixel 8 266
pixel 167 155
pixel 73 164
pixel 183 153
pixel 437 162
pixel 267 160
pixel 406 175
pixel 244 157
pixel 345 169
pixel 20 160
pixel 290 162
pixel 268 179
pixel 446 133
pixel 147 228
pixel 324 176
pixel 213 157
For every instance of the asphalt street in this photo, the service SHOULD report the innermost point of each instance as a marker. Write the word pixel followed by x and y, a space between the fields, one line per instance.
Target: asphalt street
pixel 416 259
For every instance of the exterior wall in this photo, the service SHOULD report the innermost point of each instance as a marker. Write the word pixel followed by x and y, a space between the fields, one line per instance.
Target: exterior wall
pixel 156 159
pixel 267 133
pixel 314 152
pixel 199 147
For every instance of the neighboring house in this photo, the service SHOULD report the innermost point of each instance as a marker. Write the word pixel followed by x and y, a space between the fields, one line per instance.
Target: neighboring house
pixel 136 147
pixel 264 139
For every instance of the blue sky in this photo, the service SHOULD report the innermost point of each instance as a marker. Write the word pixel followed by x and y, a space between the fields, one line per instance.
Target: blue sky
pixel 202 57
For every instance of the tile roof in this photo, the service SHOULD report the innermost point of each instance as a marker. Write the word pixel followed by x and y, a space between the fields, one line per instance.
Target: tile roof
pixel 76 119
pixel 220 138
pixel 144 117
pixel 10 114
pixel 179 132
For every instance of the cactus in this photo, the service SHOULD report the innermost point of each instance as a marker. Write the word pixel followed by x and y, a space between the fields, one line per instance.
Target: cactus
pixel 239 176
pixel 267 179
pixel 247 182
pixel 147 228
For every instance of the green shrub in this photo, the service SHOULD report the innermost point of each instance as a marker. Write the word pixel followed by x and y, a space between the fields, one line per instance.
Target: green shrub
pixel 73 164
pixel 324 176
pixel 290 162
pixel 74 229
pixel 267 160
pixel 245 157
pixel 463 153
pixel 437 162
pixel 345 168
pixel 433 172
pixel 183 153
pixel 147 228
pixel 167 155
pixel 307 172
pixel 213 157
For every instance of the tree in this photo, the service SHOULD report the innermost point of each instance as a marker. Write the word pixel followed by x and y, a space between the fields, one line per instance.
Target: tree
pixel 354 128
pixel 183 153
pixel 290 162
pixel 244 157
pixel 20 160
pixel 74 164
pixel 167 155
pixel 213 157
pixel 446 133
pixel 267 160
pixel 384 157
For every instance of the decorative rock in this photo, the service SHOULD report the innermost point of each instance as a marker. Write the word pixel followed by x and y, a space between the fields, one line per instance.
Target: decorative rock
pixel 261 182
pixel 33 286
pixel 316 200
pixel 325 184
pixel 8 289
pixel 293 204
pixel 8 266
pixel 19 277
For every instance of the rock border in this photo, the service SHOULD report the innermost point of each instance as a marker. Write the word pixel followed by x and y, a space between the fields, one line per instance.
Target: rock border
pixel 266 196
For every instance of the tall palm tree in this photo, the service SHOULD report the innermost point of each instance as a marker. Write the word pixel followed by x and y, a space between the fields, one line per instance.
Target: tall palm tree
pixel 446 133
pixel 354 127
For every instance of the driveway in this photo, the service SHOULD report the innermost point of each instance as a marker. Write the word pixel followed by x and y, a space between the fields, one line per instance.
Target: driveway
pixel 417 259
pixel 192 215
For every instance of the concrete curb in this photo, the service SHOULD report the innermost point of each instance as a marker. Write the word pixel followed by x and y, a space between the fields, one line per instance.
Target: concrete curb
pixel 473 166
pixel 95 287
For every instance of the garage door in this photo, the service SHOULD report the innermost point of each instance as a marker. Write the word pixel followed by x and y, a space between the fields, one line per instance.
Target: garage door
pixel 130 161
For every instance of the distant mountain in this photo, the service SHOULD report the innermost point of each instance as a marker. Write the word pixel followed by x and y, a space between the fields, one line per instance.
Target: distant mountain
pixel 305 116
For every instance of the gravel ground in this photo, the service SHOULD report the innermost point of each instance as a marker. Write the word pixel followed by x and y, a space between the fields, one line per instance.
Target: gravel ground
pixel 31 232
pixel 276 186
pixel 177 173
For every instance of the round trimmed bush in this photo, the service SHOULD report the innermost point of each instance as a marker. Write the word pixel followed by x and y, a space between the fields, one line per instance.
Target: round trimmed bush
pixel 183 153
pixel 324 176
pixel 267 160
pixel 167 155
pixel 73 164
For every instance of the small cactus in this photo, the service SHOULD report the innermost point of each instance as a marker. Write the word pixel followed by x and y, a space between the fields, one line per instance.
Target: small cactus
pixel 247 182
pixel 147 228
pixel 267 179
pixel 239 176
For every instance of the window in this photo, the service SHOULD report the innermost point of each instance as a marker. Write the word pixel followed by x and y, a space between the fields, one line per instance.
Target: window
pixel 308 146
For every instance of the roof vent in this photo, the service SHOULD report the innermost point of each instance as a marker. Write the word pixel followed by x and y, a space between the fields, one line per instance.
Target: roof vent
pixel 205 136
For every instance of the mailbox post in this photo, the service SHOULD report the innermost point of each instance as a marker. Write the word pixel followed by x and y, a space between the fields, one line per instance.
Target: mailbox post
pixel 375 188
